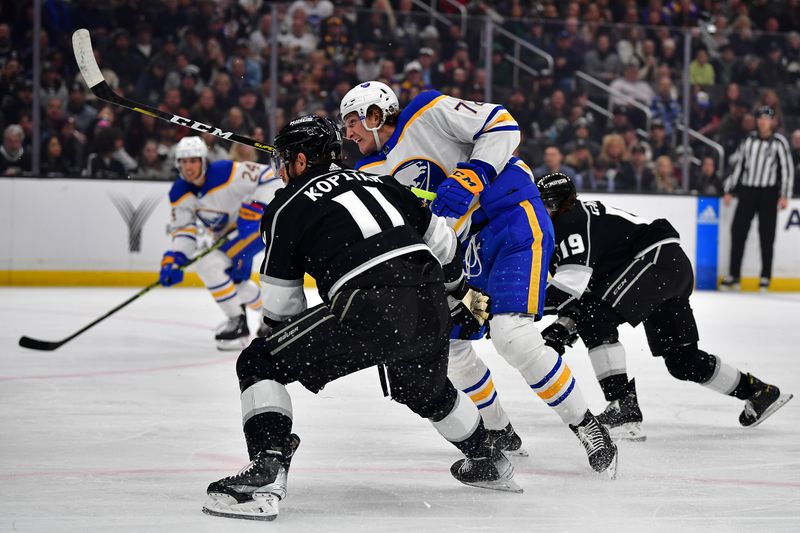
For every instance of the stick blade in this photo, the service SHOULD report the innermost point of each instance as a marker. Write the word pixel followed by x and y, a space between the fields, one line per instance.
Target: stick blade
pixel 35 344
pixel 84 56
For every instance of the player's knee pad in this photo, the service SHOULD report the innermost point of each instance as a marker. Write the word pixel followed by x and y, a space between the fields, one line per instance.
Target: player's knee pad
pixel 255 364
pixel 460 421
pixel 688 363
pixel 517 339
pixel 211 268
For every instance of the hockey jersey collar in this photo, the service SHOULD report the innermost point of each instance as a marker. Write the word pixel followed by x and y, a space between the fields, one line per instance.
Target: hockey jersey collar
pixel 411 112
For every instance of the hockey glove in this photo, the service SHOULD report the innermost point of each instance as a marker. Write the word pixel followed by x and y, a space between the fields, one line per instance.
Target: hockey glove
pixel 249 220
pixel 171 272
pixel 455 194
pixel 241 268
pixel 470 308
pixel 562 332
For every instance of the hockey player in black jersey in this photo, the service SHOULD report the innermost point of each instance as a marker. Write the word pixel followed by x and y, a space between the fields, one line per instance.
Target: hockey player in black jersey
pixel 376 254
pixel 611 267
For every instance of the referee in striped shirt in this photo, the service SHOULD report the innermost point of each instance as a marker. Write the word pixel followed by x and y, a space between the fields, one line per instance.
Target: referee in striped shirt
pixel 762 180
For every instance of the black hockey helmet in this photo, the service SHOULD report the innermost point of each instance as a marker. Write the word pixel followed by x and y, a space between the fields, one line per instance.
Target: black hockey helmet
pixel 317 137
pixel 556 190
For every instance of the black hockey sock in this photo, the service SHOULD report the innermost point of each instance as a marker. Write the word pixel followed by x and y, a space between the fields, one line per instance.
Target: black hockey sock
pixel 266 431
pixel 748 385
pixel 477 444
pixel 614 387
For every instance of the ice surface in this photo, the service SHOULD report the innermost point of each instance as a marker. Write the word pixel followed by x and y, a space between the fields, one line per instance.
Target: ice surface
pixel 123 428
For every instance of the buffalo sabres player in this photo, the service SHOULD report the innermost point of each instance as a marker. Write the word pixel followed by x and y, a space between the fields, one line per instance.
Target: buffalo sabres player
pixel 220 196
pixel 377 255
pixel 463 152
pixel 612 267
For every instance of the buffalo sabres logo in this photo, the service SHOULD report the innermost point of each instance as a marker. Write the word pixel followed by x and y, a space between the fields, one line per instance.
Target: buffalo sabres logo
pixel 213 220
pixel 422 173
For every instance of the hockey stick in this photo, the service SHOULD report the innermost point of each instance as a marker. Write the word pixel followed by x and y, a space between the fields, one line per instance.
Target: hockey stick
pixel 84 55
pixel 48 346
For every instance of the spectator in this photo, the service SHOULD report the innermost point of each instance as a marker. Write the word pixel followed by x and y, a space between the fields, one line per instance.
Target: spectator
pixel 189 87
pixel 730 133
pixel 299 40
pixel 749 73
pixel 250 69
pixel 659 143
pixel 581 160
pixel 216 152
pixel 223 91
pixel 665 106
pixel 613 154
pixel 665 180
pixel 636 174
pixel 260 38
pixel 704 181
pixel 242 152
pixel 795 146
pixel 144 41
pixel 701 72
pixel 150 85
pixel 127 63
pixel 669 55
pixel 101 162
pixel 552 118
pixel 553 159
pixel 702 118
pixel 53 85
pixel 315 11
pixel 773 71
pixel 731 97
pixel 582 133
pixel 649 61
pixel 205 110
pixel 567 60
pixel 602 62
pixel 14 159
pixel 82 114
pixel 619 119
pixel 726 65
pixel 54 164
pixel 235 121
pixel 631 86
pixel 248 102
pixel 151 164
pixel 368 65
pixel 53 115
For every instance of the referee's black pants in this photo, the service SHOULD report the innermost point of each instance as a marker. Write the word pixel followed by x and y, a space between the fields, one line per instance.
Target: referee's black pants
pixel 762 201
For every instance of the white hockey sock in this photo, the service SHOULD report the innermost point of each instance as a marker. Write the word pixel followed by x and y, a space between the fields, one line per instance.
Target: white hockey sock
pixel 249 294
pixel 469 374
pixel 461 422
pixel 211 270
pixel 518 340
pixel 266 396
pixel 608 360
pixel 724 379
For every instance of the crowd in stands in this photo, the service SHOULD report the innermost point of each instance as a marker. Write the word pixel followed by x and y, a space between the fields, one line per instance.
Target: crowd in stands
pixel 209 60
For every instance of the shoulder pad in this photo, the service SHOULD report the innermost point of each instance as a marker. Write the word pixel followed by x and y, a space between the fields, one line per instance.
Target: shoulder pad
pixel 179 189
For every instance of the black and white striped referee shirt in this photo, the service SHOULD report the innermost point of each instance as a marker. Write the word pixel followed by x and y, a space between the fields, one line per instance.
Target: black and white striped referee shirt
pixel 761 162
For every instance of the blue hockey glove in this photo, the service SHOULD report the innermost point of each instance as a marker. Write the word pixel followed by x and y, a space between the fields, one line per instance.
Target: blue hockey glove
pixel 455 193
pixel 249 220
pixel 241 268
pixel 171 272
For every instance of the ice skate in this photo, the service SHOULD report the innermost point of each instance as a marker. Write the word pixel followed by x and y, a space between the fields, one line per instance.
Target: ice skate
pixel 762 404
pixel 495 472
pixel 253 493
pixel 623 418
pixel 233 334
pixel 508 441
pixel 597 443
pixel 729 283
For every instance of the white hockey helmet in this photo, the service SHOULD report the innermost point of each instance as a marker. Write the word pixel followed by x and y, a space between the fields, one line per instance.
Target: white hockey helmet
pixel 365 95
pixel 191 147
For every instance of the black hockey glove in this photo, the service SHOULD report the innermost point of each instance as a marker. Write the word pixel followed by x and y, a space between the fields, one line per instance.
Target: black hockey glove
pixel 562 332
pixel 470 308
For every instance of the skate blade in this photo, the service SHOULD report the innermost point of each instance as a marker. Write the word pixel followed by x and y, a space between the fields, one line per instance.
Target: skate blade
pixel 232 345
pixel 503 485
pixel 777 404
pixel 632 431
pixel 519 452
pixel 256 509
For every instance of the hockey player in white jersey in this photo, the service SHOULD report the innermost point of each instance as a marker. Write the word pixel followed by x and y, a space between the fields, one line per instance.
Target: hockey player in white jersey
pixel 463 152
pixel 219 196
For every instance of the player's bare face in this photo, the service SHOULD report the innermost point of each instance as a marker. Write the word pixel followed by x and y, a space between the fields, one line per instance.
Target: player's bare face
pixel 355 131
pixel 192 171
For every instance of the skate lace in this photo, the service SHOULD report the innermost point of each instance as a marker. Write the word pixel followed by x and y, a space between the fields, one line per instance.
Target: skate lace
pixel 466 466
pixel 591 438
pixel 749 410
pixel 472 259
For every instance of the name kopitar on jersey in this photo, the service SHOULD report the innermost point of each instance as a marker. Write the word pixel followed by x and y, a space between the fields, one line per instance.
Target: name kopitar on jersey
pixel 318 190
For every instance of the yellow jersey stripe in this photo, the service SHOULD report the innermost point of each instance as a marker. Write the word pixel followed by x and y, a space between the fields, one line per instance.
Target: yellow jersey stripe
pixel 536 258
pixel 239 246
pixel 485 393
pixel 419 113
pixel 556 387
pixel 502 118
pixel 466 216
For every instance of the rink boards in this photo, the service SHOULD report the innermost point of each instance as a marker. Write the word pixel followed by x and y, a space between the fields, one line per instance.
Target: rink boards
pixel 113 233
